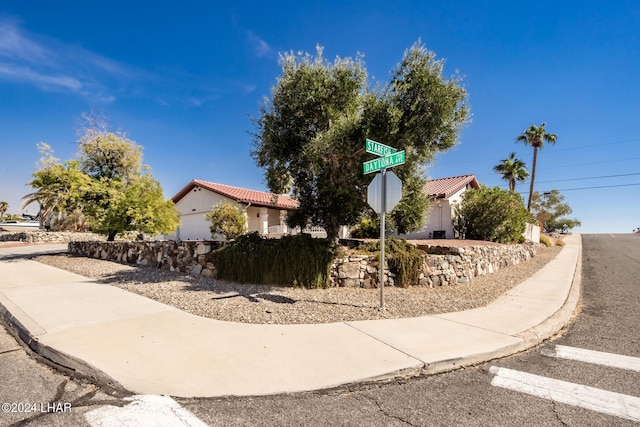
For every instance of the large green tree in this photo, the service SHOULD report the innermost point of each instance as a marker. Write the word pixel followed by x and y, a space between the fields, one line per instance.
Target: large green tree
pixel 535 136
pixel 550 211
pixel 125 196
pixel 138 205
pixel 107 185
pixel 512 169
pixel 310 134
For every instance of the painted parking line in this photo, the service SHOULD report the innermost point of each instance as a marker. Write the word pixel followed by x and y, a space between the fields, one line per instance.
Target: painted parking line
pixel 143 411
pixel 595 357
pixel 594 399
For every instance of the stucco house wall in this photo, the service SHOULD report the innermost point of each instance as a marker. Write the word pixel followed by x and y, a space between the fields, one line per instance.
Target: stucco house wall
pixel 197 198
pixel 193 207
pixel 444 194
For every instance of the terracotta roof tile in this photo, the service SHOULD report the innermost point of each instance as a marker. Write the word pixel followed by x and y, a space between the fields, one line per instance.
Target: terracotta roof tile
pixel 244 195
pixel 444 187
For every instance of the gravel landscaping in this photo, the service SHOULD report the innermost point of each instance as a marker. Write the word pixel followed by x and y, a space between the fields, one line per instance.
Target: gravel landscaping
pixel 234 302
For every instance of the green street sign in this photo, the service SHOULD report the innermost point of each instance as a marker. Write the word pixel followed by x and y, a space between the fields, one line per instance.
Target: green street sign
pixel 374 165
pixel 378 149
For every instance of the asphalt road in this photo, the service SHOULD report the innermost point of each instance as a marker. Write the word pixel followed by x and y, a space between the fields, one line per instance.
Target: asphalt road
pixel 606 322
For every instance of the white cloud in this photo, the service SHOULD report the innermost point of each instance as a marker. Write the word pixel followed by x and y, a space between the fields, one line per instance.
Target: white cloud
pixel 55 66
pixel 202 100
pixel 24 74
pixel 14 45
pixel 260 47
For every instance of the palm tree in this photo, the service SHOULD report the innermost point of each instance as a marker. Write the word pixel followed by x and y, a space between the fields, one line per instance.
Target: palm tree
pixel 512 170
pixel 535 137
pixel 4 206
pixel 59 189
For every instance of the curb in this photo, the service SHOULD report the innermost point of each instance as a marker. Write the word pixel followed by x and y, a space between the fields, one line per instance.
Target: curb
pixel 529 338
pixel 563 316
pixel 56 358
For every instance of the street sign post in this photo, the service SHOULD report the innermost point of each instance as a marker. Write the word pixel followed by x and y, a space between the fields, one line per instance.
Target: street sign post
pixel 378 149
pixel 380 163
pixel 384 191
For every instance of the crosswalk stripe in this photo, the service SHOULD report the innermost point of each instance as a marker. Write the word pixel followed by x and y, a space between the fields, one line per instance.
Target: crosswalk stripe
pixel 606 402
pixel 594 357
pixel 143 411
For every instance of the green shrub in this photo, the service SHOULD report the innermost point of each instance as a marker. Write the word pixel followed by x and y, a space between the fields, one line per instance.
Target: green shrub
pixel 291 261
pixel 228 220
pixel 404 259
pixel 367 228
pixel 491 214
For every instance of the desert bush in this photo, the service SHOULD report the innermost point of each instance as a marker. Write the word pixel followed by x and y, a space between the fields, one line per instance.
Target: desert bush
pixel 403 258
pixel 291 261
pixel 550 241
pixel 547 241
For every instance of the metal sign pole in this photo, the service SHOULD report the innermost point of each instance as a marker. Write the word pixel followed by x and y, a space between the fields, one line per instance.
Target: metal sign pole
pixel 388 157
pixel 382 226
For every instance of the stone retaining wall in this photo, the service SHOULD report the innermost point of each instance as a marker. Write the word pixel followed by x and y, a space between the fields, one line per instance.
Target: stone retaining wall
pixel 34 236
pixel 190 256
pixel 441 266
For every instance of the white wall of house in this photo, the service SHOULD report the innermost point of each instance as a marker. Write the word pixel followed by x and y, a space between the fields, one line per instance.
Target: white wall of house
pixel 198 202
pixel 193 207
pixel 457 196
pixel 439 217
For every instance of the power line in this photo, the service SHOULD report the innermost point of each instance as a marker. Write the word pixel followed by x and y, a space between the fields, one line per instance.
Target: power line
pixel 601 186
pixel 555 150
pixel 588 188
pixel 590 163
pixel 590 177
pixel 597 145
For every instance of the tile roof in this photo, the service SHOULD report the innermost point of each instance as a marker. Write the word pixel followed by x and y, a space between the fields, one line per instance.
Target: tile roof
pixel 443 188
pixel 244 195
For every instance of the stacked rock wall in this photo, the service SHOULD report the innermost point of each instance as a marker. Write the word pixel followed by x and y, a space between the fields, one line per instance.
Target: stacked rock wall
pixel 453 265
pixel 33 236
pixel 192 257
pixel 442 266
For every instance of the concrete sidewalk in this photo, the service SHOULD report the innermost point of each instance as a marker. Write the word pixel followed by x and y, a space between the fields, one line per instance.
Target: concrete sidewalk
pixel 150 348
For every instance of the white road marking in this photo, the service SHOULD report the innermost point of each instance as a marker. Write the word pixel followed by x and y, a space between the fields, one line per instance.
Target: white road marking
pixel 606 402
pixel 595 357
pixel 144 410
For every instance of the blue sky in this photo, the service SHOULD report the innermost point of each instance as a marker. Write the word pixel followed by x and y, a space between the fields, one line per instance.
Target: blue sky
pixel 183 79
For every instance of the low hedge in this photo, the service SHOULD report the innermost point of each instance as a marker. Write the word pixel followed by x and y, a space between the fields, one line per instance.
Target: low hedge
pixel 291 261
